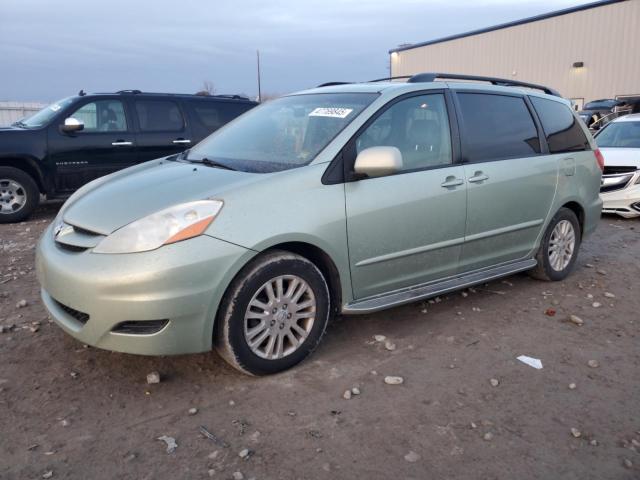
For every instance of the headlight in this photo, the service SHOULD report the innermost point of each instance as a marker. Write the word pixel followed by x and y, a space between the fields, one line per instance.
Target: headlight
pixel 171 225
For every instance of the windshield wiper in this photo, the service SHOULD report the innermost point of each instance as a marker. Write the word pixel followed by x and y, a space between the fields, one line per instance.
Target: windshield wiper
pixel 19 123
pixel 210 163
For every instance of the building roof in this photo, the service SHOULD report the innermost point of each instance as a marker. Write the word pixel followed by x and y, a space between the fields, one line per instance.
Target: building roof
pixel 535 18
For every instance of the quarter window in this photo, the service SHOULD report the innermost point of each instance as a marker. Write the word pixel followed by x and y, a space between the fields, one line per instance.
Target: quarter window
pixel 208 115
pixel 496 127
pixel 561 128
pixel 102 116
pixel 213 115
pixel 159 116
pixel 418 127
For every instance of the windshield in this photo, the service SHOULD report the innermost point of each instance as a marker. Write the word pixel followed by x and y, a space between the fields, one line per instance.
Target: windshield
pixel 45 115
pixel 620 135
pixel 281 134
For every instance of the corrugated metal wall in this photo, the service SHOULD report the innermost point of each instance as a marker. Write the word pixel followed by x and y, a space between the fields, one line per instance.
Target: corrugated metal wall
pixel 12 111
pixel 605 38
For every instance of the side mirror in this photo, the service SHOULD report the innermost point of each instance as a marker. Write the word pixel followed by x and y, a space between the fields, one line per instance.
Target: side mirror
pixel 71 125
pixel 378 161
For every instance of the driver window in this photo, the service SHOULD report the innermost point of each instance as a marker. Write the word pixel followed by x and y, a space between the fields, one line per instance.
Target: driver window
pixel 102 116
pixel 418 127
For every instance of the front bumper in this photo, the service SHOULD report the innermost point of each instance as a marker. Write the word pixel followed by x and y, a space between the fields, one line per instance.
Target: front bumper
pixel 182 283
pixel 624 202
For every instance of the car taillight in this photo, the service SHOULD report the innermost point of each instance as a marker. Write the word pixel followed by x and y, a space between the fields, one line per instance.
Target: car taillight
pixel 599 159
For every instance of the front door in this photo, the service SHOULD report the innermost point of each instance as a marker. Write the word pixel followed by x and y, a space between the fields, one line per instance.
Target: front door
pixel 511 183
pixel 106 144
pixel 407 228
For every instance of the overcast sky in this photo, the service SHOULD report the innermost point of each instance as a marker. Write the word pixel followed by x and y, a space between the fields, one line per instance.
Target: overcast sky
pixel 51 49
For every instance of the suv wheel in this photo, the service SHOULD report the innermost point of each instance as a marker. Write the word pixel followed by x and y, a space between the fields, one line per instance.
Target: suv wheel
pixel 273 314
pixel 19 195
pixel 559 247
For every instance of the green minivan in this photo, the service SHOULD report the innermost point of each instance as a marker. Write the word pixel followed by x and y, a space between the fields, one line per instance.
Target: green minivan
pixel 343 199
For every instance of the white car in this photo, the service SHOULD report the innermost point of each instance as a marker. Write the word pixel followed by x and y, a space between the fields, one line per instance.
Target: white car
pixel 619 143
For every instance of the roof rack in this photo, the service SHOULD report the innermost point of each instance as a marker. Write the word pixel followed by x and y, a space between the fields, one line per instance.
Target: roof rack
pixel 129 91
pixel 236 97
pixel 332 84
pixel 386 79
pixel 432 77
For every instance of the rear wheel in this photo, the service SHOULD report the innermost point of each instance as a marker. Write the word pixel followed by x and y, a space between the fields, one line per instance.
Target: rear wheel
pixel 559 247
pixel 273 315
pixel 19 195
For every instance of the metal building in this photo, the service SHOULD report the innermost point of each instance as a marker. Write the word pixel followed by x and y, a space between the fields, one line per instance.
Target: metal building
pixel 587 52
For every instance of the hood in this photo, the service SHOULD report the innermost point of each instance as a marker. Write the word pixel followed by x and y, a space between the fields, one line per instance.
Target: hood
pixel 11 129
pixel 621 157
pixel 119 199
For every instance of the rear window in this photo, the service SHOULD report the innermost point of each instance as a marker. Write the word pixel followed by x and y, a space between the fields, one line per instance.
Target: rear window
pixel 496 127
pixel 159 116
pixel 562 130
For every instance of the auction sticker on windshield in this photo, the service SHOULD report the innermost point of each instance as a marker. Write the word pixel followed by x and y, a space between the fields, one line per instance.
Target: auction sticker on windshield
pixel 331 112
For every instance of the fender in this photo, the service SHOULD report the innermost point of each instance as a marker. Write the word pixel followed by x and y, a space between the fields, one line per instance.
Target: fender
pixel 27 163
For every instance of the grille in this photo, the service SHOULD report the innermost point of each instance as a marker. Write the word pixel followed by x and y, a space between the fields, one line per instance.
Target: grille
pixel 76 239
pixel 615 170
pixel 78 315
pixel 611 183
pixel 146 327
pixel 70 248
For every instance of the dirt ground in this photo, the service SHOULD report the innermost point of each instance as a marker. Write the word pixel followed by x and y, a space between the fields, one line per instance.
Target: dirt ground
pixel 80 413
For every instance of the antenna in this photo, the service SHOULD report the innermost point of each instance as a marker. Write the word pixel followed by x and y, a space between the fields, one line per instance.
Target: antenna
pixel 259 88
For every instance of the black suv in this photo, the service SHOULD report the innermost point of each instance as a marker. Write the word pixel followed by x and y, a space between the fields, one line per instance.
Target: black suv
pixel 71 142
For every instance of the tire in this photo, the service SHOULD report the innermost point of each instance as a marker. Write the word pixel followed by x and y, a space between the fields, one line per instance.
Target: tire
pixel 248 312
pixel 552 268
pixel 19 195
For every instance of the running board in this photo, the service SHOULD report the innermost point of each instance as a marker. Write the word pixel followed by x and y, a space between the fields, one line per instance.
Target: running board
pixel 420 292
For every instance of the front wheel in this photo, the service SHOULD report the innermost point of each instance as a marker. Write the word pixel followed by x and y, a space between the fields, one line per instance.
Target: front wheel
pixel 273 315
pixel 559 247
pixel 19 195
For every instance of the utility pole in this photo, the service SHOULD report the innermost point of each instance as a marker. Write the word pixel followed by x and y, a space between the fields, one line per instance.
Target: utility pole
pixel 259 89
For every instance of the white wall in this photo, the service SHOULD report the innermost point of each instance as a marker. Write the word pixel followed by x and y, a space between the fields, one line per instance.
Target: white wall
pixel 13 111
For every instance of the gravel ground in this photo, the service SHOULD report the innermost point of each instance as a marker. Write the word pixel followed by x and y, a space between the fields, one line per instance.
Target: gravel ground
pixel 467 408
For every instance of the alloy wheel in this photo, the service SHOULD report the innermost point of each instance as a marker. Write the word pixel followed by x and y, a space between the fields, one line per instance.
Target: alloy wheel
pixel 13 196
pixel 561 245
pixel 279 317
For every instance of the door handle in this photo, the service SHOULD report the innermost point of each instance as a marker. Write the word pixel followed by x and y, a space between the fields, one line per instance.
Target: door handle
pixel 181 141
pixel 478 177
pixel 120 143
pixel 451 182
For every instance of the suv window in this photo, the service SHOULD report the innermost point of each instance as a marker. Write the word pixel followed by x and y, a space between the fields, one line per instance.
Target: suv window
pixel 418 127
pixel 213 115
pixel 102 116
pixel 561 128
pixel 159 116
pixel 497 127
